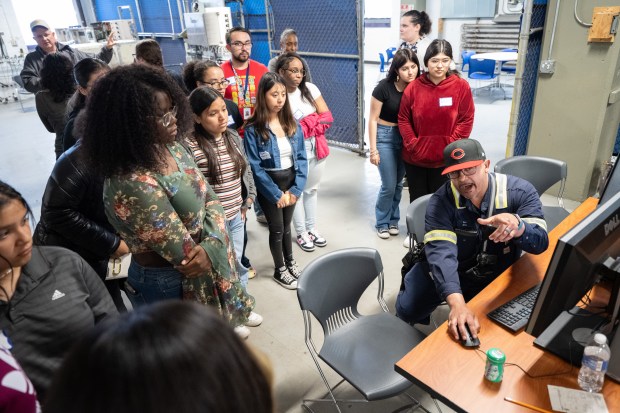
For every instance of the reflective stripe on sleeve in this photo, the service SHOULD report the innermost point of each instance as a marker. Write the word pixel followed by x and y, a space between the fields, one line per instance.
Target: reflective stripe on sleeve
pixel 440 235
pixel 540 222
pixel 501 193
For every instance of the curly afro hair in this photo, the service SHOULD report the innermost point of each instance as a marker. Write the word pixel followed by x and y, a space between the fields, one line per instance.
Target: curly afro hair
pixel 120 132
pixel 57 76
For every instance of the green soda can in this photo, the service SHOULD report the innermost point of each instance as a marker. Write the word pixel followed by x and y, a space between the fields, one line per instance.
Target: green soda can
pixel 494 369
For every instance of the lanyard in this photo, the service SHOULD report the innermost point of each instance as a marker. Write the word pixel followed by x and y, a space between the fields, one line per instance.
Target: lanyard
pixel 238 80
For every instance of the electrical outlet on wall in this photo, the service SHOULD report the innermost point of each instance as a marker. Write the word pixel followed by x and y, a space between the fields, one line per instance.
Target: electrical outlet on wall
pixel 547 66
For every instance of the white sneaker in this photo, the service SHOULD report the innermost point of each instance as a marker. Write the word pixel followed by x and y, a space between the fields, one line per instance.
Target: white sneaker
pixel 243 332
pixel 254 320
pixel 393 230
pixel 406 242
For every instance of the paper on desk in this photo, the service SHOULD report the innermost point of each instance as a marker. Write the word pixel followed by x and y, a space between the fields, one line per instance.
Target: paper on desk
pixel 576 401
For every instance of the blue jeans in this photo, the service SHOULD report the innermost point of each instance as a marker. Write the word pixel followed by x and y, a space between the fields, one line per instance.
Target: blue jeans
pixel 304 217
pixel 146 285
pixel 235 229
pixel 392 171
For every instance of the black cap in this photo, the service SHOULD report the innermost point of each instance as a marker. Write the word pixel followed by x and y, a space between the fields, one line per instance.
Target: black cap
pixel 464 153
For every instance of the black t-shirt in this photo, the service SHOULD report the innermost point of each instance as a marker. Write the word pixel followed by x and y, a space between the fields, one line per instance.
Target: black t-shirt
pixel 386 93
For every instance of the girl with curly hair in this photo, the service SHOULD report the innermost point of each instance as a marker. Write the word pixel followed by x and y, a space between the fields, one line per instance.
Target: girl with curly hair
pixel 51 102
pixel 156 197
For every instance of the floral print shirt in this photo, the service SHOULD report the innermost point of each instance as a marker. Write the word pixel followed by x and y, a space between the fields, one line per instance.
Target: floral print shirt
pixel 168 214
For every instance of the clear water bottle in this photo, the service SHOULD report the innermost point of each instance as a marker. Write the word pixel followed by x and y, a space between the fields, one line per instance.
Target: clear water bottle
pixel 594 364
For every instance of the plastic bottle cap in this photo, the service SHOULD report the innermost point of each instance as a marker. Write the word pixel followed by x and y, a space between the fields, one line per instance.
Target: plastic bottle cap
pixel 600 338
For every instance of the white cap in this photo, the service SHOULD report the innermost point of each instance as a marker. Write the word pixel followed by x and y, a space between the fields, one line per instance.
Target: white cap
pixel 600 338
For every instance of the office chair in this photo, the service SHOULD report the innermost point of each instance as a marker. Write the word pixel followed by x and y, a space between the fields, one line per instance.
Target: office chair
pixel 390 53
pixel 465 58
pixel 416 212
pixel 362 349
pixel 484 69
pixel 21 91
pixel 509 67
pixel 543 173
pixel 382 60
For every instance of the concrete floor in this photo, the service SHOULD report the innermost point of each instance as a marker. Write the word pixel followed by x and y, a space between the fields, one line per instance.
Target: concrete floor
pixel 346 219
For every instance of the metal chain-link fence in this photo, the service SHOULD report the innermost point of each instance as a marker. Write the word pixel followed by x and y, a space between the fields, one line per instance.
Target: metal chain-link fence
pixel 330 40
pixel 530 77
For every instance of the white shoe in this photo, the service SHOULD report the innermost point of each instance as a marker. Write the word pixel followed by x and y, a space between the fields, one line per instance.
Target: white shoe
pixel 406 242
pixel 243 332
pixel 254 320
pixel 393 230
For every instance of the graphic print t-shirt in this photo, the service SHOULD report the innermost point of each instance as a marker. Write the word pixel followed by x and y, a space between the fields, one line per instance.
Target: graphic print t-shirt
pixel 244 96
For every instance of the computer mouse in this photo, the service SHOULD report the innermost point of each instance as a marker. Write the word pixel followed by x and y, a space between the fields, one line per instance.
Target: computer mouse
pixel 469 341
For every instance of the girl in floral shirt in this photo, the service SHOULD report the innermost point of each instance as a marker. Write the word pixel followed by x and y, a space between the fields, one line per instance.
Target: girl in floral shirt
pixel 157 199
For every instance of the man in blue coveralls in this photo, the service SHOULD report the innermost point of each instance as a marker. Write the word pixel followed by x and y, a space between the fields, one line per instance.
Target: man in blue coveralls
pixel 477 225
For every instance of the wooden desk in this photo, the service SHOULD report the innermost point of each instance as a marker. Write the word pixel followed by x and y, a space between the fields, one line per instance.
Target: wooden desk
pixel 455 375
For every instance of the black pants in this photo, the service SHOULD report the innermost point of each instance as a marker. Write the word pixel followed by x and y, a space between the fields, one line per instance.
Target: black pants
pixel 423 181
pixel 279 219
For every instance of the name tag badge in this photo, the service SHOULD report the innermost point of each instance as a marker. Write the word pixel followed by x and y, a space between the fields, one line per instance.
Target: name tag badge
pixel 231 80
pixel 231 121
pixel 445 101
pixel 264 155
pixel 247 112
pixel 298 114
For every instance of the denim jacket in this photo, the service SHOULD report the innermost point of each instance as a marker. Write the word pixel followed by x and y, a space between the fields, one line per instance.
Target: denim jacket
pixel 264 156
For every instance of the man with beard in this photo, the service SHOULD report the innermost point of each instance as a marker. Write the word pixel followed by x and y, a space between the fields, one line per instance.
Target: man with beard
pixel 242 72
pixel 45 37
pixel 477 225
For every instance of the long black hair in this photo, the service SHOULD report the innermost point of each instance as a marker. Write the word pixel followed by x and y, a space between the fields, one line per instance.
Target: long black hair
pixel 57 77
pixel 82 71
pixel 401 57
pixel 172 356
pixel 200 100
pixel 120 128
pixel 260 118
pixel 282 64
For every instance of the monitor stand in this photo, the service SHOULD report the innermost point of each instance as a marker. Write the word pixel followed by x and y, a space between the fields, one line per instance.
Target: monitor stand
pixel 569 333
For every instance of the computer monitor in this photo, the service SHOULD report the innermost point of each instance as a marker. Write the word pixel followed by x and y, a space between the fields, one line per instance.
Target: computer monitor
pixel 612 184
pixel 581 257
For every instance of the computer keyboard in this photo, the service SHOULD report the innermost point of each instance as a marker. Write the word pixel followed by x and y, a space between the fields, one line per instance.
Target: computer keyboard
pixel 515 313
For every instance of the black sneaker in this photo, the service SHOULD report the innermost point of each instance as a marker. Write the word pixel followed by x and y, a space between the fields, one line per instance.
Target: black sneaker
pixel 285 279
pixel 293 269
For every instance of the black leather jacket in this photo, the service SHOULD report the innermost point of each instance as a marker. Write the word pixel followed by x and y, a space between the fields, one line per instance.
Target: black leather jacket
pixel 72 212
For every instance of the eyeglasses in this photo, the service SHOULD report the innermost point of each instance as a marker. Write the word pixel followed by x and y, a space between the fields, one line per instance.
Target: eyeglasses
pixel 466 172
pixel 296 71
pixel 166 119
pixel 215 84
pixel 240 45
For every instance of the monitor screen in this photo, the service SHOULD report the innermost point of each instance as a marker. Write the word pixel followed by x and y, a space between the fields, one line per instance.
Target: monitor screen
pixel 575 264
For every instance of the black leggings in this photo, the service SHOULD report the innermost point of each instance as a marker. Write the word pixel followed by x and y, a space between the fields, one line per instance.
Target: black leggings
pixel 279 219
pixel 423 181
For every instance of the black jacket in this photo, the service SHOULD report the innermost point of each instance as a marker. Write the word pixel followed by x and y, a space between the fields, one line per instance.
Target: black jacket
pixel 72 212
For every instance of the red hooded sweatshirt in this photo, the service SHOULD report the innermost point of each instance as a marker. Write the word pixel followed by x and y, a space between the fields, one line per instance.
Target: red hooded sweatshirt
pixel 432 116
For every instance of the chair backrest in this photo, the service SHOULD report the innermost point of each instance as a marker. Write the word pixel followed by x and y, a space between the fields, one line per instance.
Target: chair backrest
pixel 336 281
pixel 390 53
pixel 18 79
pixel 382 59
pixel 541 172
pixel 482 66
pixel 465 57
pixel 416 214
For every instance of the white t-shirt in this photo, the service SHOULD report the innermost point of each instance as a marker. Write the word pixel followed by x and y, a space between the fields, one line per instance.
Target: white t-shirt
pixel 286 152
pixel 299 107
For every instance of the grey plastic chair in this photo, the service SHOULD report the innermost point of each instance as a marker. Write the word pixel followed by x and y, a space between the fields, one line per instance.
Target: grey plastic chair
pixel 362 349
pixel 416 213
pixel 21 91
pixel 543 173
